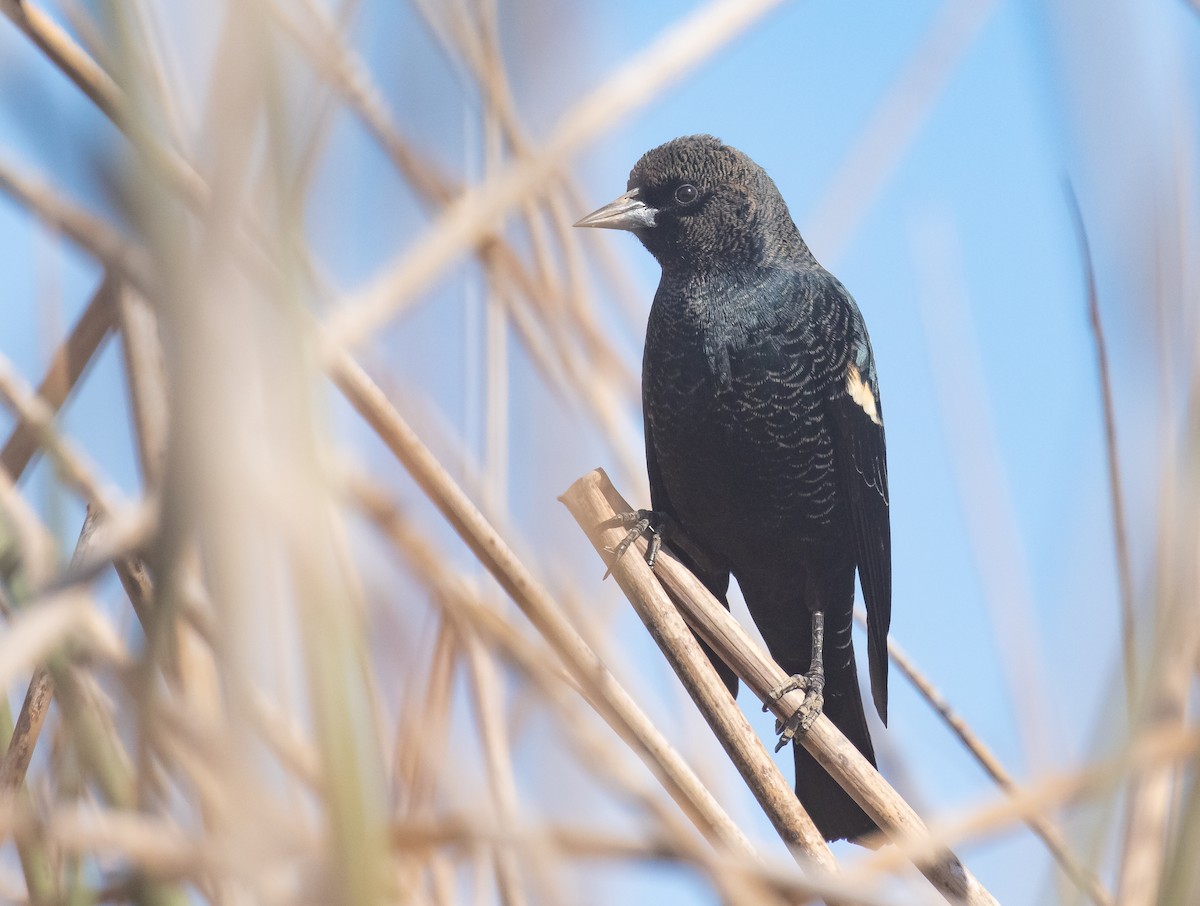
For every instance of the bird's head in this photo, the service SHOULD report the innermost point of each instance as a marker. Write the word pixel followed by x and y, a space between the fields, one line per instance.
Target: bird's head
pixel 697 202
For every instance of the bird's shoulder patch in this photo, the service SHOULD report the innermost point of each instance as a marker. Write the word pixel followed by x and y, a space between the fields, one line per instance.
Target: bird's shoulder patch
pixel 860 391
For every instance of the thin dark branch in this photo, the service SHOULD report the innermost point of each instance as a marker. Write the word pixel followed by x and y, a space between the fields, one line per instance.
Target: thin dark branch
pixel 66 367
pixel 1120 531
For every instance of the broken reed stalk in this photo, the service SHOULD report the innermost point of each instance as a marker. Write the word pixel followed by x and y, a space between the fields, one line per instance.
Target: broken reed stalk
pixel 706 688
pixel 597 501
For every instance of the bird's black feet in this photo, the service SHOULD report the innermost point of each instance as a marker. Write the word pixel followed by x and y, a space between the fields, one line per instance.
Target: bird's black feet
pixel 640 522
pixel 661 527
pixel 813 685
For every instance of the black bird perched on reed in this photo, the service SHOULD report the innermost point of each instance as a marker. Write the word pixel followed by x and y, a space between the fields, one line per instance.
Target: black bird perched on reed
pixel 764 434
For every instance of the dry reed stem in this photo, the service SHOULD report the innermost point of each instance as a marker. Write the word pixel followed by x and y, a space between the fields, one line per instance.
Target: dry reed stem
pixel 177 172
pixel 146 34
pixel 105 93
pixel 1151 796
pixel 145 376
pixel 823 740
pixel 26 732
pixel 106 753
pixel 1166 696
pixel 38 635
pixel 414 754
pixel 489 714
pixel 64 53
pixel 175 646
pixel 1082 876
pixel 586 504
pixel 86 230
pixel 76 471
pixel 66 367
pixel 15 761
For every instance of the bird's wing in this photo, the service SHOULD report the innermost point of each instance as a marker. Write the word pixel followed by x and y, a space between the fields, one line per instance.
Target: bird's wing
pixel 857 417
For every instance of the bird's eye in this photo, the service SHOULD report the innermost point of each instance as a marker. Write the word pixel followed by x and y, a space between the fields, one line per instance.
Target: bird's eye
pixel 686 194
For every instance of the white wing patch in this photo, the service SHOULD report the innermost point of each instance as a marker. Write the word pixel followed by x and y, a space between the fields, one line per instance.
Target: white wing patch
pixel 860 392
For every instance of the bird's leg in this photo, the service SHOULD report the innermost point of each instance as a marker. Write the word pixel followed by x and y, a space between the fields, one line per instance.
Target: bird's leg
pixel 661 526
pixel 813 684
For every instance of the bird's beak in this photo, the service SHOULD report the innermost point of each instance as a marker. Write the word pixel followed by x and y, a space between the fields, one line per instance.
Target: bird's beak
pixel 626 213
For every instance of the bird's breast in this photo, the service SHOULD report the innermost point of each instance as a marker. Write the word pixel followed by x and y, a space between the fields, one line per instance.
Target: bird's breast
pixel 739 432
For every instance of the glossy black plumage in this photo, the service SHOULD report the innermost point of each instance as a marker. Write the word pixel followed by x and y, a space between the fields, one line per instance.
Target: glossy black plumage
pixel 764 433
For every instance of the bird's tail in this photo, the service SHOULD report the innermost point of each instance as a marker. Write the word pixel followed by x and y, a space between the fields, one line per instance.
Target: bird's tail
pixel 835 814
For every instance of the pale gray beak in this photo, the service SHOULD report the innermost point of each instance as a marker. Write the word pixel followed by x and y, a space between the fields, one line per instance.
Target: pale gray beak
pixel 626 213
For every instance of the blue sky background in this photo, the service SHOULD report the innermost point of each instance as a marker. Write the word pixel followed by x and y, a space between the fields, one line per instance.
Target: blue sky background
pixel 964 262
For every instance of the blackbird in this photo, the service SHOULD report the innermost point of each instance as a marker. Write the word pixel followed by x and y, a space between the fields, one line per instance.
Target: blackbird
pixel 764 435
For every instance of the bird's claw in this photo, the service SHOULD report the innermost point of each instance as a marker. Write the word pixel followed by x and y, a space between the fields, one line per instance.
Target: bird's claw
pixel 641 522
pixel 813 685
